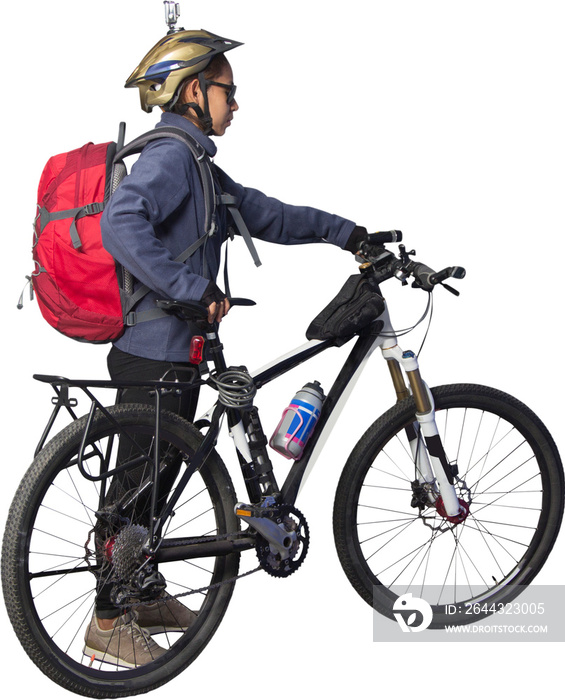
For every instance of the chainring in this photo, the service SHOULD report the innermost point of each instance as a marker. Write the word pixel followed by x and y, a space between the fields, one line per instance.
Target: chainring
pixel 292 521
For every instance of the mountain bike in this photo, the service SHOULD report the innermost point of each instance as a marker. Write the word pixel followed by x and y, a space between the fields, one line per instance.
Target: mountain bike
pixel 456 492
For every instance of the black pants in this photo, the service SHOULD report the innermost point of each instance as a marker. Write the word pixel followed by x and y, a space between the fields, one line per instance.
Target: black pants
pixel 125 367
pixel 131 368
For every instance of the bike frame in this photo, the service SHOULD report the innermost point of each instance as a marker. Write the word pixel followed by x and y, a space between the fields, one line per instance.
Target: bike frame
pixel 382 335
pixel 430 461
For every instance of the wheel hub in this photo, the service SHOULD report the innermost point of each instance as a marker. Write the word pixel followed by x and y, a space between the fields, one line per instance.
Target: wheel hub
pixel 455 519
pixel 109 548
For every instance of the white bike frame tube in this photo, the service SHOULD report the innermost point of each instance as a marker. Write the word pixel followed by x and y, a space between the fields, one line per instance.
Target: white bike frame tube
pixel 237 433
pixel 286 356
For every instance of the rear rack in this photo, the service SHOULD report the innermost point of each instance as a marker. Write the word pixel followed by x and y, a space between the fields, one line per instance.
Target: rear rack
pixel 62 398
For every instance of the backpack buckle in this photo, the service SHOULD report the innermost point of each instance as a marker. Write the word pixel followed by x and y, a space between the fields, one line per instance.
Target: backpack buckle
pixel 93 208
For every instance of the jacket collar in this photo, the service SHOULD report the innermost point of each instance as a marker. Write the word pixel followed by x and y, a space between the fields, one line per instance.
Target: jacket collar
pixel 180 122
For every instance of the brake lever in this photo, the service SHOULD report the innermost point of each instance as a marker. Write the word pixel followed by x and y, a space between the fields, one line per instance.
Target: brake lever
pixel 458 273
pixel 450 289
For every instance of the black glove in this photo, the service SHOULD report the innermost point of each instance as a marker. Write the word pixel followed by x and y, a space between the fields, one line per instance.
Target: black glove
pixel 212 294
pixel 358 235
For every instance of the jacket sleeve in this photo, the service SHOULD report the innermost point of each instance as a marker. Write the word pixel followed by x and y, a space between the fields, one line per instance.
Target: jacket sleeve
pixel 158 190
pixel 276 222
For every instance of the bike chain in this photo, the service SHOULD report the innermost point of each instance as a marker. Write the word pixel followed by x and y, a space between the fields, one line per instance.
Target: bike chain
pixel 211 586
pixel 289 511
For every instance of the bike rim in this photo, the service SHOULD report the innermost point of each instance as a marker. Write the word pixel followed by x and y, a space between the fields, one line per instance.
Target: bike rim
pixel 60 561
pixel 418 551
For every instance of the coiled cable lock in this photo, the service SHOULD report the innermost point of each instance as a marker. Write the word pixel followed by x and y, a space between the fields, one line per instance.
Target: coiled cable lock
pixel 236 388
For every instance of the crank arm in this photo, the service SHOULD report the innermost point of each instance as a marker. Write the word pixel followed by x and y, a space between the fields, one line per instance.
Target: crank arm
pixel 274 532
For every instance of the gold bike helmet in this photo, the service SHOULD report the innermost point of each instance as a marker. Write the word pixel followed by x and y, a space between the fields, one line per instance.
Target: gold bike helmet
pixel 174 58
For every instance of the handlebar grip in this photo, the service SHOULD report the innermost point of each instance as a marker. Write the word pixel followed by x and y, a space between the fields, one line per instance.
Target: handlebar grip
pixel 381 237
pixel 456 272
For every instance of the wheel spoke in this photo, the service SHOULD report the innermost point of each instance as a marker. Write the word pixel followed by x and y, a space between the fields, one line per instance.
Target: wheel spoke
pixel 78 552
pixel 503 481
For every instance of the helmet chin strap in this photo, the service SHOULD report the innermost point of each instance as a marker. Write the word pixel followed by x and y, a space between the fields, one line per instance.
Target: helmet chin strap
pixel 202 114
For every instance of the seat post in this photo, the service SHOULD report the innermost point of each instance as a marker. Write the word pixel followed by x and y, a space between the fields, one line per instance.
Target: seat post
pixel 216 348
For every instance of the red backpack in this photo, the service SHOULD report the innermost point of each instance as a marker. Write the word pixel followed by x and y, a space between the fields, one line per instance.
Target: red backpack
pixel 80 289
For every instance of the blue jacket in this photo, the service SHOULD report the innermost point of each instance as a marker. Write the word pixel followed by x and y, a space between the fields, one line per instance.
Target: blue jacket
pixel 158 211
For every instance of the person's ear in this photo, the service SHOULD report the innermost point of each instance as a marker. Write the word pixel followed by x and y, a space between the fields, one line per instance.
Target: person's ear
pixel 191 92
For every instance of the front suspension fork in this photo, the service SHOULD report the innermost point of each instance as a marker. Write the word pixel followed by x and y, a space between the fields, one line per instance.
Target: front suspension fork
pixel 430 459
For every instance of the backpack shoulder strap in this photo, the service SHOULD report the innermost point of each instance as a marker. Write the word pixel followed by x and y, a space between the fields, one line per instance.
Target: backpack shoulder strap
pixel 210 201
pixel 231 203
pixel 200 157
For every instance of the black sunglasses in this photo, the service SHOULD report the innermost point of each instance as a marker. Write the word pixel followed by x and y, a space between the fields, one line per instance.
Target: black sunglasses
pixel 230 90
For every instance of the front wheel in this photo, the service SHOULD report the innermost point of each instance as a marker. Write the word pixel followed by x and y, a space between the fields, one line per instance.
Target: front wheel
pixel 64 547
pixel 393 539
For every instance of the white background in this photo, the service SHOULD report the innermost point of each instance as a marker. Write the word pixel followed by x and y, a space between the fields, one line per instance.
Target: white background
pixel 442 119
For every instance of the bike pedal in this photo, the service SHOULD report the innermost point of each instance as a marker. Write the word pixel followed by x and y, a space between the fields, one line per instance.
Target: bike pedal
pixel 242 510
pixel 265 510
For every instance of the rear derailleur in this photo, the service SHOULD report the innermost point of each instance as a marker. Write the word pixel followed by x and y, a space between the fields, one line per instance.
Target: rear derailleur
pixel 123 562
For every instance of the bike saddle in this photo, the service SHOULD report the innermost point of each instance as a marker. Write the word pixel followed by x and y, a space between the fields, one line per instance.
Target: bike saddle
pixel 195 310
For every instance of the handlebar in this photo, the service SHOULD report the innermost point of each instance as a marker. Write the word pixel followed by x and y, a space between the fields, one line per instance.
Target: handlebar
pixel 384 264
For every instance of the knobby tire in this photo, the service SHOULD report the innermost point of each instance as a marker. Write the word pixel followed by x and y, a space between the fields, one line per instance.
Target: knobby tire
pixel 509 471
pixel 50 522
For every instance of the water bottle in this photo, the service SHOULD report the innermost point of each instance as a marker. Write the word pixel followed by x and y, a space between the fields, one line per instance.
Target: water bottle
pixel 298 421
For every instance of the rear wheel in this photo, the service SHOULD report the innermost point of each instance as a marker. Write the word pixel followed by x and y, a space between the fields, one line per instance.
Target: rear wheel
pixel 58 554
pixel 393 540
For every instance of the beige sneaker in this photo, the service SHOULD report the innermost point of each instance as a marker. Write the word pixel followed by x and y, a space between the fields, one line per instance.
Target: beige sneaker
pixel 164 616
pixel 125 644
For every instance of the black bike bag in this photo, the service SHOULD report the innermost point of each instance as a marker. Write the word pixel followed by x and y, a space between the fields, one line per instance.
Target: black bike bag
pixel 357 304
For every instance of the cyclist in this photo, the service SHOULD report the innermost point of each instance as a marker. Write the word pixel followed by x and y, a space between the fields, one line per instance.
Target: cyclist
pixel 157 212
